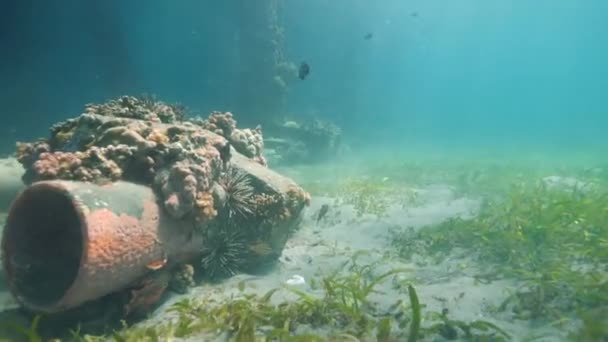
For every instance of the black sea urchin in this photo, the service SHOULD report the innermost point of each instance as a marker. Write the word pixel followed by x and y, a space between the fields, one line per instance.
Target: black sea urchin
pixel 239 195
pixel 226 254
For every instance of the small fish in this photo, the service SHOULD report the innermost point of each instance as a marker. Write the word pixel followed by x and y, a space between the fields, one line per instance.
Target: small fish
pixel 157 264
pixel 414 14
pixel 368 36
pixel 304 70
pixel 322 212
pixel 260 248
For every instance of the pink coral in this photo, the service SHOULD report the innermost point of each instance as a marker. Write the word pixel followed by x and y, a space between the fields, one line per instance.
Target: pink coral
pixel 220 123
pixel 91 165
pixel 181 160
pixel 248 141
pixel 28 153
pixel 178 186
pixel 181 185
pixel 141 108
pixel 52 165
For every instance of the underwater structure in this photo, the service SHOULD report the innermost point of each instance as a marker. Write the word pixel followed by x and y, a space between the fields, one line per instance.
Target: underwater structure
pixel 307 140
pixel 130 198
pixel 265 71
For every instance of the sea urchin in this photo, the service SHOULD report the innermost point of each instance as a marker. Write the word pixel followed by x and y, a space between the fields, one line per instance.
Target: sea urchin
pixel 226 254
pixel 239 194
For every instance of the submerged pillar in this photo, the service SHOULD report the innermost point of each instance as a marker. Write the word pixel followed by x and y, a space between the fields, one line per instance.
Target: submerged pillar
pixel 265 72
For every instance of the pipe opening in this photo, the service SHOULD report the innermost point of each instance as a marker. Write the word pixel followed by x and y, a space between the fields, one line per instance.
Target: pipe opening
pixel 42 244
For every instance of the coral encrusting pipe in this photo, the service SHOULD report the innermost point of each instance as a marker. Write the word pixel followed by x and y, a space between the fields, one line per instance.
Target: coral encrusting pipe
pixel 66 243
pixel 218 210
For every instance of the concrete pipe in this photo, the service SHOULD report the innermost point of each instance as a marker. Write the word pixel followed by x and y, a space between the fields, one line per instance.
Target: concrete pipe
pixel 66 243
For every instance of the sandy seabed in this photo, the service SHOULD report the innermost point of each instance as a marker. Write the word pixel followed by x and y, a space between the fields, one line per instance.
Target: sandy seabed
pixel 320 248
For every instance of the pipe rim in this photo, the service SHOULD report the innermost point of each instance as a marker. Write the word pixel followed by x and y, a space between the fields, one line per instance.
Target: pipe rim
pixel 16 221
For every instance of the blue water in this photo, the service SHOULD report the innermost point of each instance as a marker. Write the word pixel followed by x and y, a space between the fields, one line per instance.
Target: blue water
pixel 473 70
pixel 440 84
pixel 462 71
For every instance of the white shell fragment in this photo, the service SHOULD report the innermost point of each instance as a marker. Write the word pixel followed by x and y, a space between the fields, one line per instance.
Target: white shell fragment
pixel 295 280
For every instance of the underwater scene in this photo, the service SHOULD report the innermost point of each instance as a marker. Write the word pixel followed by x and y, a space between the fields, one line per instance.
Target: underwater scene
pixel 320 170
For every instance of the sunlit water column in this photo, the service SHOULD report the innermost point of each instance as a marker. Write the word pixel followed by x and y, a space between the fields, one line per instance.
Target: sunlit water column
pixel 10 183
pixel 264 73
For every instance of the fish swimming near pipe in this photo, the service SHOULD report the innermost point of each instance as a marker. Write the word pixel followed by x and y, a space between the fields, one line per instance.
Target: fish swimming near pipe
pixel 303 70
pixel 322 212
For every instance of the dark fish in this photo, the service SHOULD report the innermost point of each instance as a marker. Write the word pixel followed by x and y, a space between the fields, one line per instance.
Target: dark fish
pixel 414 14
pixel 368 36
pixel 304 70
pixel 322 212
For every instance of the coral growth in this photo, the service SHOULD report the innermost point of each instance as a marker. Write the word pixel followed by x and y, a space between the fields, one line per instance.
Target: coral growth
pixel 158 137
pixel 144 107
pixel 181 161
pixel 275 208
pixel 220 123
pixel 249 142
pixel 93 165
pixel 271 209
pixel 183 278
pixel 296 197
pixel 205 209
pixel 28 153
pixel 180 185
pixel 305 141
